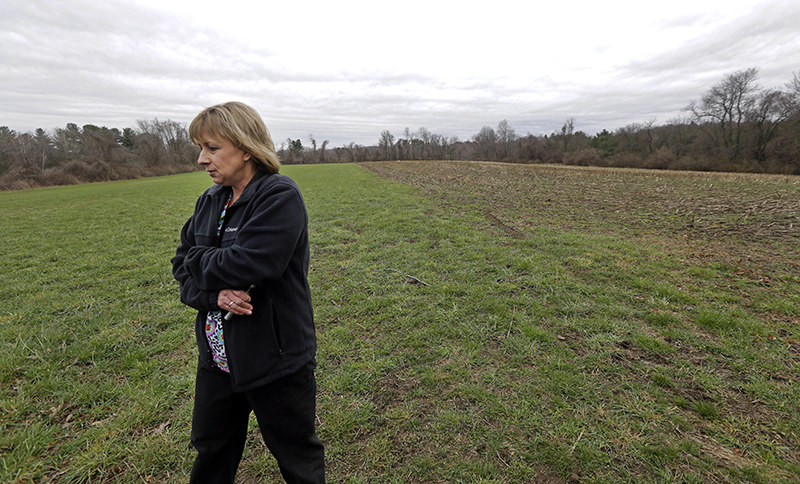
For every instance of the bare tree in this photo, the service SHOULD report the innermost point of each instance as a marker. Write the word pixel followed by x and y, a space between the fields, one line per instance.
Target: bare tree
pixel 289 154
pixel 409 139
pixel 425 141
pixel 339 152
pixel 386 144
pixel 637 137
pixel 650 133
pixel 173 136
pixel 505 136
pixel 99 143
pixel 149 148
pixel 352 150
pixel 771 109
pixel 313 142
pixel 726 105
pixel 679 135
pixel 567 130
pixel 44 144
pixel 322 151
pixel 26 153
pixel 485 143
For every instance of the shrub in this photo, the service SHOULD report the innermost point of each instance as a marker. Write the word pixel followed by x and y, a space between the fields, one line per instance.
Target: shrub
pixel 661 159
pixel 585 157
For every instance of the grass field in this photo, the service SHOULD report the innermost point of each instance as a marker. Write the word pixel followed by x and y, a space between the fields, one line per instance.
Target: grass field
pixel 477 322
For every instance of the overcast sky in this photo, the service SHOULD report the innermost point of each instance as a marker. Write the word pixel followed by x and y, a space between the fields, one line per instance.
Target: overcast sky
pixel 345 70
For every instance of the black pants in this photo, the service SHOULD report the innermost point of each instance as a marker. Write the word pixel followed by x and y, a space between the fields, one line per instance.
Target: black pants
pixel 285 410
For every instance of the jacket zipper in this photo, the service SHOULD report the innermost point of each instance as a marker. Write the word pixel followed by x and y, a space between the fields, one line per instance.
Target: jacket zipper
pixel 276 329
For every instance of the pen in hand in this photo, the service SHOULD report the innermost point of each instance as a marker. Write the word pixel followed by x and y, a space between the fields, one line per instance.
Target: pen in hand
pixel 229 314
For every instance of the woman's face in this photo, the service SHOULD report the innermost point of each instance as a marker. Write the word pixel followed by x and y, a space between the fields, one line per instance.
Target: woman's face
pixel 225 163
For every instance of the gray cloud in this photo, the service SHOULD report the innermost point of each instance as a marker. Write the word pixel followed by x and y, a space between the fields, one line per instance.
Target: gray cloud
pixel 112 63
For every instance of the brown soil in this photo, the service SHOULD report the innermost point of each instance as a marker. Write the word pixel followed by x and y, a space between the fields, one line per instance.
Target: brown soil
pixel 743 219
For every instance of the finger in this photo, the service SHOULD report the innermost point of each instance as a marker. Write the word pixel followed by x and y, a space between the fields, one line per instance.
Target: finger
pixel 240 307
pixel 241 302
pixel 240 310
pixel 224 297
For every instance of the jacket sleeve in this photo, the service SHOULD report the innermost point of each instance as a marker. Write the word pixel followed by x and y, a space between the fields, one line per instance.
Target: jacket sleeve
pixel 191 294
pixel 265 243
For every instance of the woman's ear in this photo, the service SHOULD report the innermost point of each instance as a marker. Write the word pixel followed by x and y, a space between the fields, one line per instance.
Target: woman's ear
pixel 247 156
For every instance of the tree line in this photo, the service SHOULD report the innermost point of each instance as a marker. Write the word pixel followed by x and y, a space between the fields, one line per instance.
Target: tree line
pixel 90 153
pixel 735 126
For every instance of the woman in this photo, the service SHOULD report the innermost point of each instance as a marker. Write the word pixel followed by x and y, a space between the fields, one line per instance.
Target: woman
pixel 243 264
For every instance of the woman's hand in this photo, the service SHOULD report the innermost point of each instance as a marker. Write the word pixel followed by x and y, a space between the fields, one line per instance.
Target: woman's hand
pixel 235 301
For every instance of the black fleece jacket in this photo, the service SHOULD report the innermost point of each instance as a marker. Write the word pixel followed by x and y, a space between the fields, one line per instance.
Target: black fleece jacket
pixel 264 241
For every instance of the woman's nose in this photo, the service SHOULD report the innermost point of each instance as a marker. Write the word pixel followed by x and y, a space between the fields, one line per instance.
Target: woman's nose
pixel 202 158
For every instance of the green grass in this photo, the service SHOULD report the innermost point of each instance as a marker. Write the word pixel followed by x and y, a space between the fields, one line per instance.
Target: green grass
pixel 541 355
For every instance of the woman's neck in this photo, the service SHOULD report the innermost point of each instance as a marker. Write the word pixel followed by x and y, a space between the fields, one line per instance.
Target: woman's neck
pixel 239 187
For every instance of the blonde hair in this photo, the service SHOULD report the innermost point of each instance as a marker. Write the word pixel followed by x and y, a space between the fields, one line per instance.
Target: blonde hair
pixel 241 125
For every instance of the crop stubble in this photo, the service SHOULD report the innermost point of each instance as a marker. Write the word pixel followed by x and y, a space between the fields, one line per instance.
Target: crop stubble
pixel 732 218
